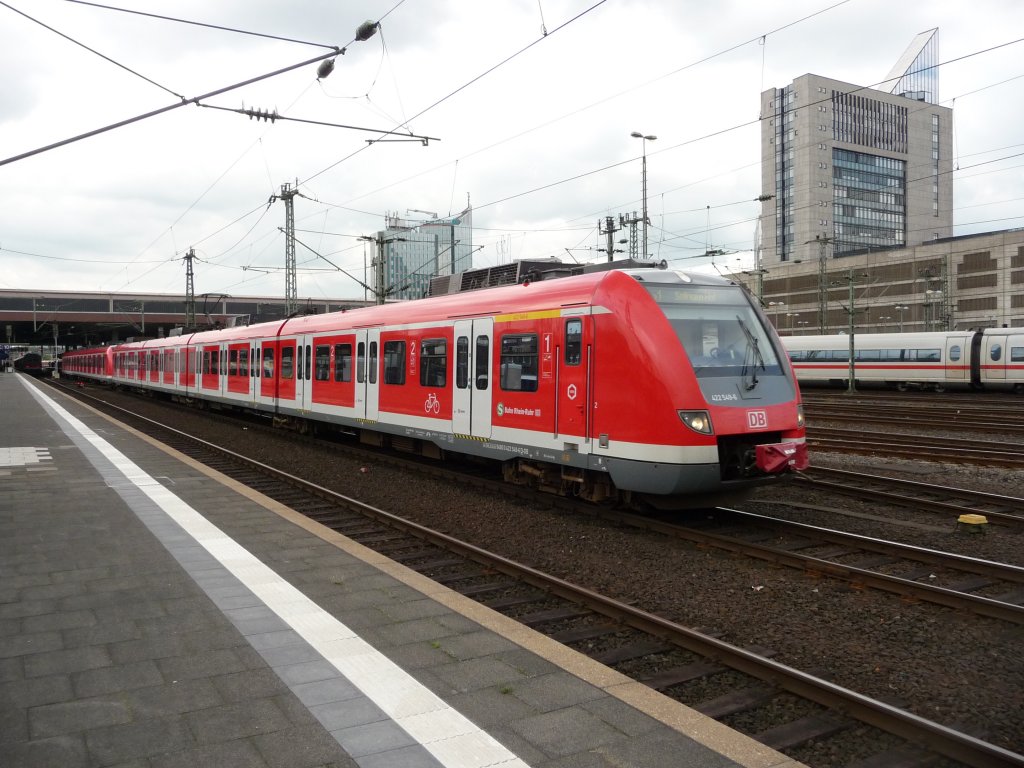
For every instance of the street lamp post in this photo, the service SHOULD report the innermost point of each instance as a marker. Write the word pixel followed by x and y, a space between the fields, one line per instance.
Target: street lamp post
pixel 644 138
pixel 791 315
pixel 899 315
pixel 883 321
pixel 774 307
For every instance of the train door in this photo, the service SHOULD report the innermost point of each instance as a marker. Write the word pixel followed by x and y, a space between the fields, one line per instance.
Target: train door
pixel 304 373
pixel 471 398
pixel 572 363
pixel 957 357
pixel 168 364
pixel 254 372
pixel 188 369
pixel 994 355
pixel 367 372
pixel 268 373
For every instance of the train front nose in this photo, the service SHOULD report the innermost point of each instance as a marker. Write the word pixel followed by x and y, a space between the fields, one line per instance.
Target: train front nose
pixel 753 442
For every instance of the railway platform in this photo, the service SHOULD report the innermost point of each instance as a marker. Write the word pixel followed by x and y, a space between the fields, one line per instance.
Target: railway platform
pixel 155 613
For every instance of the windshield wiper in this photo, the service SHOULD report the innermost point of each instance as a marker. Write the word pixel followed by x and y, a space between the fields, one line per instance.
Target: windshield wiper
pixel 752 357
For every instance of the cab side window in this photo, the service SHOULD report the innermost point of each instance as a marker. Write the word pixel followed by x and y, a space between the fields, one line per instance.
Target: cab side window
pixel 573 341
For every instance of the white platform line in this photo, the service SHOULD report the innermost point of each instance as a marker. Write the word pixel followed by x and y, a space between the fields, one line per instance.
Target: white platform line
pixel 449 736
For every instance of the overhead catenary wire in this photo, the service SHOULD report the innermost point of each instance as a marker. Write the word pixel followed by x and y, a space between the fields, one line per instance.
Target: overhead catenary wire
pixel 569 179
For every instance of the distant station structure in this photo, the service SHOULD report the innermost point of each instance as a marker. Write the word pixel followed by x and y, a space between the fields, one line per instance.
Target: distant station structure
pixel 59 320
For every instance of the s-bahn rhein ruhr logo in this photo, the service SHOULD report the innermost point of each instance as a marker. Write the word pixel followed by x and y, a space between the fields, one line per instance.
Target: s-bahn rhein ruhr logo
pixel 757 419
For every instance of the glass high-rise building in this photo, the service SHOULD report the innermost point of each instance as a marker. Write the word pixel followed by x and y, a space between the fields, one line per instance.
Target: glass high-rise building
pixel 853 169
pixel 415 251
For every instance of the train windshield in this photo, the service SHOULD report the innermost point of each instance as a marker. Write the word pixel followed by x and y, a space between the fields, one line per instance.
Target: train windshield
pixel 719 330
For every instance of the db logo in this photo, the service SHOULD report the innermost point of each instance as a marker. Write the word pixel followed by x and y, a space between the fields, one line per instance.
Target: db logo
pixel 757 419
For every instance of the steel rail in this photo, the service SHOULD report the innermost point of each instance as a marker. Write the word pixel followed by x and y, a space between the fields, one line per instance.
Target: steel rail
pixel 973 497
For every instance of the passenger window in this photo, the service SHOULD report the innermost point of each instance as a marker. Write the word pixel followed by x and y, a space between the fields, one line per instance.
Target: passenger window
pixel 1017 354
pixel 462 362
pixel 573 341
pixel 288 362
pixel 233 362
pixel 433 362
pixel 996 352
pixel 215 362
pixel 372 362
pixel 268 362
pixel 519 363
pixel 954 353
pixel 206 362
pixel 343 362
pixel 309 361
pixel 482 366
pixel 323 362
pixel 394 362
pixel 243 362
pixel 361 362
pixel 298 370
pixel 256 363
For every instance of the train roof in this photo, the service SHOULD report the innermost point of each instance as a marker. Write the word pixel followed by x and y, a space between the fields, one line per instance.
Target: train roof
pixel 529 296
pixel 609 287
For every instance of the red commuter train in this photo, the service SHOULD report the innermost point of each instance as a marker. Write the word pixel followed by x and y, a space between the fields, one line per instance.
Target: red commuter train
pixel 624 384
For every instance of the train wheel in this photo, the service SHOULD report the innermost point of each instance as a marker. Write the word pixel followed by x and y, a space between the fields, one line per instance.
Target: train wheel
pixel 902 387
pixel 940 387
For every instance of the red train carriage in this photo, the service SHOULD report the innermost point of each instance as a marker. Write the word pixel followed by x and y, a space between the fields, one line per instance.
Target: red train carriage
pixel 651 382
pixel 93 363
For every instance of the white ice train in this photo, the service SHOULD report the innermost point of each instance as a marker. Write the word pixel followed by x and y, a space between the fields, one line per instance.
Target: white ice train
pixel 989 359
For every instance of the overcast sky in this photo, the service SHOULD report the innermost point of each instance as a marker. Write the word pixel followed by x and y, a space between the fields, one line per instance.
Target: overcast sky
pixel 529 106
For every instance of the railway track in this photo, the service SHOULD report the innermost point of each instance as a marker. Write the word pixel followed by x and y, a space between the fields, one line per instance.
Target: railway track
pixel 1002 421
pixel 664 655
pixel 919 447
pixel 950 580
pixel 999 510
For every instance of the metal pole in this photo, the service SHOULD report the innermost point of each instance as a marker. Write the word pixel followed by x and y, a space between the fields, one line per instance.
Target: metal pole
pixel 378 288
pixel 852 388
pixel 644 142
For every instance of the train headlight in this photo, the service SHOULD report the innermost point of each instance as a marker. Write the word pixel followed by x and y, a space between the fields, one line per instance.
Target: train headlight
pixel 800 417
pixel 698 421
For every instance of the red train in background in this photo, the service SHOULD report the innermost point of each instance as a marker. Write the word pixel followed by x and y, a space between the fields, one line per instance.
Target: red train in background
pixel 640 384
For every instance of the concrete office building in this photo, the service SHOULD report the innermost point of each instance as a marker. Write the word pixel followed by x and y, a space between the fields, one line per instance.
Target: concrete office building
pixel 856 168
pixel 859 187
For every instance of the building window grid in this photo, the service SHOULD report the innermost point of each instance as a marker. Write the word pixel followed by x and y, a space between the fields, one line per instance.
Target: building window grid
pixel 867 200
pixel 869 122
